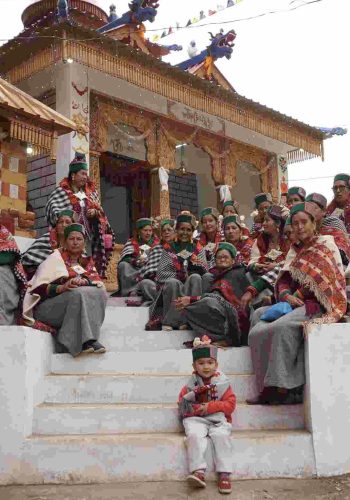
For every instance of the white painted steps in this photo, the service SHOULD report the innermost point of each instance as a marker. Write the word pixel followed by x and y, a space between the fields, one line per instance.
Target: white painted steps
pixel 56 419
pixel 113 417
pixel 128 388
pixel 161 457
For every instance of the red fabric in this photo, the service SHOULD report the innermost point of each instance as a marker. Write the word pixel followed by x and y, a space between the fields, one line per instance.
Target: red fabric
pixel 203 239
pixel 332 206
pixel 342 242
pixel 244 247
pixel 263 245
pixel 227 404
pixel 136 244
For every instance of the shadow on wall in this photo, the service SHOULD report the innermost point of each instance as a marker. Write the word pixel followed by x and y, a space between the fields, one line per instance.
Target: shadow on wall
pixel 248 185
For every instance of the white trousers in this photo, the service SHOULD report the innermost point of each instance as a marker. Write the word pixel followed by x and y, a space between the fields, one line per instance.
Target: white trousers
pixel 198 430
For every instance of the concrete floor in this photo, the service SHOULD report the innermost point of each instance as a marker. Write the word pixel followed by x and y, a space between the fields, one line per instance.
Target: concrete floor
pixel 335 488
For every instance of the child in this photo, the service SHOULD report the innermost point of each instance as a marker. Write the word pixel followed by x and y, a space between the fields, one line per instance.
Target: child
pixel 206 404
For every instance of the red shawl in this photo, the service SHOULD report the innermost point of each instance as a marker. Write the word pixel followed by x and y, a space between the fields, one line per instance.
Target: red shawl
pixel 346 218
pixel 263 246
pixel 244 248
pixel 8 244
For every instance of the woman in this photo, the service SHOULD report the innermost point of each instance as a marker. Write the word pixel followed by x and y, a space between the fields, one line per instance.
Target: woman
pixel 218 313
pixel 234 234
pixel 47 243
pixel 270 247
pixel 12 277
pixel 78 193
pixel 295 194
pixel 147 288
pixel 312 282
pixel 210 235
pixel 263 202
pixel 230 207
pixel 134 256
pixel 67 293
pixel 180 270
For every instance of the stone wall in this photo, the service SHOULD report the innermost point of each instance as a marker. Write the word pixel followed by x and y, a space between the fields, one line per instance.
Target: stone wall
pixel 41 175
pixel 183 193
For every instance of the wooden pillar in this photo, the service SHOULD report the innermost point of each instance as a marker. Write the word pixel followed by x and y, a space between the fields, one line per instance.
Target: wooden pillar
pixel 94 170
pixel 160 200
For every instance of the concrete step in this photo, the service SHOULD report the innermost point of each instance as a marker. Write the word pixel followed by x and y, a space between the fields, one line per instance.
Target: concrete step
pixel 160 457
pixel 56 419
pixel 137 339
pixel 125 318
pixel 109 388
pixel 233 360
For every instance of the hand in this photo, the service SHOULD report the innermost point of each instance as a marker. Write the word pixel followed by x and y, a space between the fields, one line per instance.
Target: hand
pixel 246 299
pixel 203 409
pixel 269 267
pixel 91 213
pixel 182 302
pixel 294 301
pixel 259 268
pixel 73 283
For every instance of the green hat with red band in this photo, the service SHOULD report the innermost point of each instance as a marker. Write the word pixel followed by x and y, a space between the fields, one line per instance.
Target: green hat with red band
pixel 209 211
pixel 140 223
pixel 298 191
pixel 342 177
pixel 202 348
pixel 224 245
pixel 78 163
pixel 74 228
pixel 188 218
pixel 305 207
pixel 166 222
pixel 261 198
pixel 229 219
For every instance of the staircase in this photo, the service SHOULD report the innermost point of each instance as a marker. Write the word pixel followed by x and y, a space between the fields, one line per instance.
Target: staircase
pixel 113 417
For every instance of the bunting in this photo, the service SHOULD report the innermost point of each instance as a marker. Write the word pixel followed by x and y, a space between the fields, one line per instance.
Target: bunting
pixel 196 19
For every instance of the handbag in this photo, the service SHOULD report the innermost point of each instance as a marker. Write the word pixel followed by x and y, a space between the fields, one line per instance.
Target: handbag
pixel 276 311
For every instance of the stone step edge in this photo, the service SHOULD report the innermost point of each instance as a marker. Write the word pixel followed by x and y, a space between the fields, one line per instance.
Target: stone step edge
pixel 86 406
pixel 175 436
pixel 135 375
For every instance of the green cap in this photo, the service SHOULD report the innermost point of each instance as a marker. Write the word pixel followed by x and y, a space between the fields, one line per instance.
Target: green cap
pixel 306 207
pixel 140 223
pixel 209 211
pixel 165 222
pixel 317 198
pixel 288 221
pixel 231 218
pixel 78 163
pixel 74 227
pixel 342 177
pixel 188 218
pixel 65 213
pixel 261 197
pixel 297 190
pixel 208 351
pixel 224 245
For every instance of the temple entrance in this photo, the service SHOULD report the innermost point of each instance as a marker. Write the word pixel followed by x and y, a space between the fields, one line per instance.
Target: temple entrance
pixel 125 192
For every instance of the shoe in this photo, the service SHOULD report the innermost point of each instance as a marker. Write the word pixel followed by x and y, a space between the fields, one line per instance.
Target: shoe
pixel 266 397
pixel 97 347
pixel 184 327
pixel 224 484
pixel 153 325
pixel 197 479
pixel 167 328
pixel 87 348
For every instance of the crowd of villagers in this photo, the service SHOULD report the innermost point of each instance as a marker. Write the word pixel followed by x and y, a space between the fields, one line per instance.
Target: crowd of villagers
pixel 264 286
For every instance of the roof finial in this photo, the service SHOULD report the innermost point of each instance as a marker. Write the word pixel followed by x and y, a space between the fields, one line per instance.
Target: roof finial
pixel 62 9
pixel 112 13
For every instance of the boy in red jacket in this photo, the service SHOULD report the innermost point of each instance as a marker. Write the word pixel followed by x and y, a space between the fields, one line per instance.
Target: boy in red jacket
pixel 206 404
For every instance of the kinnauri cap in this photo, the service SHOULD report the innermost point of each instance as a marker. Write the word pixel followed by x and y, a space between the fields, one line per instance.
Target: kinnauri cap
pixel 261 197
pixel 140 223
pixel 74 227
pixel 224 245
pixel 317 198
pixel 202 348
pixel 232 218
pixel 297 190
pixel 78 163
pixel 342 177
pixel 306 207
pixel 209 211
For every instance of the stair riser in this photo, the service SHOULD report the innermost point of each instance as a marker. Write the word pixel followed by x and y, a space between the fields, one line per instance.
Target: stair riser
pixel 159 458
pixel 125 318
pixel 236 360
pixel 55 420
pixel 114 389
pixel 136 339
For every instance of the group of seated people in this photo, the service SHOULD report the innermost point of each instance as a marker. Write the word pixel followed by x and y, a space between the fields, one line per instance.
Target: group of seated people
pixel 224 281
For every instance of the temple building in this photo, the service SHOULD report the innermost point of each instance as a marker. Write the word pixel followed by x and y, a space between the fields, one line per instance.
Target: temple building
pixel 135 114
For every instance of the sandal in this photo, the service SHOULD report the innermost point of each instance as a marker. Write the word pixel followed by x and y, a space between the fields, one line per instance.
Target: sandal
pixel 197 479
pixel 224 484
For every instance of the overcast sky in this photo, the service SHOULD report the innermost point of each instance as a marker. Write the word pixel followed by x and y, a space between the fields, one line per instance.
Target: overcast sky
pixel 295 62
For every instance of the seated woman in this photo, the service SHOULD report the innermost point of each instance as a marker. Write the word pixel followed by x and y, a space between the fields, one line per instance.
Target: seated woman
pixel 231 207
pixel 134 256
pixel 270 247
pixel 312 282
pixel 67 293
pixel 234 234
pixel 210 235
pixel 47 243
pixel 180 270
pixel 147 287
pixel 218 313
pixel 12 277
pixel 262 202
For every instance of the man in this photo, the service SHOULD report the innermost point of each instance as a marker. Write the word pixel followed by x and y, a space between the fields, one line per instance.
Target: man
pixel 340 205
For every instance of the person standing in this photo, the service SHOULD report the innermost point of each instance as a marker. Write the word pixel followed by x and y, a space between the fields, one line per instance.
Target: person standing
pixel 340 205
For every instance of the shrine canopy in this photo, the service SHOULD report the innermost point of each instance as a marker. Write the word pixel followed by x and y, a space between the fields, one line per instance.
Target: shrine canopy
pixel 26 119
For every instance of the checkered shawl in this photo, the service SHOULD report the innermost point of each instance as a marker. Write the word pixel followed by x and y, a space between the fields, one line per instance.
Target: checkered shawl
pixel 335 227
pixel 319 267
pixel 8 244
pixel 168 260
pixel 271 276
pixel 59 200
pixel 38 251
pixel 149 270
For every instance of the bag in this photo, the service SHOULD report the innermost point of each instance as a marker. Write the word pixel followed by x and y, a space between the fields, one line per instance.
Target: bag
pixel 276 311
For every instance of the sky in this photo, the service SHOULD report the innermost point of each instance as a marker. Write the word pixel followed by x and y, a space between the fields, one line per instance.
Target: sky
pixel 295 62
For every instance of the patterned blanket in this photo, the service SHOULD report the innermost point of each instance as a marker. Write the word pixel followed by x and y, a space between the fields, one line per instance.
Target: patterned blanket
pixel 8 244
